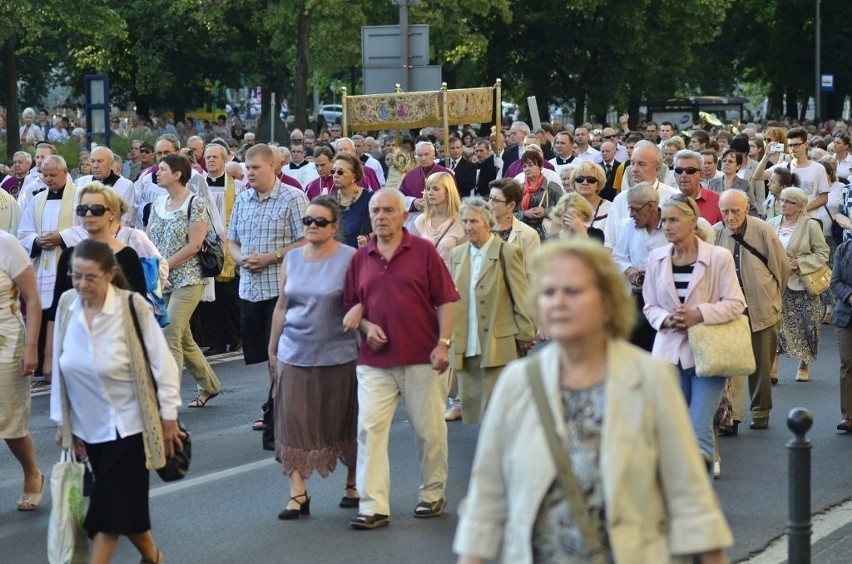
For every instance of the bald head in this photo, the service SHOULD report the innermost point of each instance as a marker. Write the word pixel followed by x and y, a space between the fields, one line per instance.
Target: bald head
pixel 734 206
pixel 102 161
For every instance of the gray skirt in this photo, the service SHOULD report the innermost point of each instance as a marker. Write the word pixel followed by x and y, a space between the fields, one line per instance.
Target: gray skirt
pixel 316 418
pixel 801 317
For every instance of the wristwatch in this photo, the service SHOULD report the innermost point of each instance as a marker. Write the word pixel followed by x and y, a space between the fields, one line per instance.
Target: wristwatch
pixel 279 256
pixel 448 341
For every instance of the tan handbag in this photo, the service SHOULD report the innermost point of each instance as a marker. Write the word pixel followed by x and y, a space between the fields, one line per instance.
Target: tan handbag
pixel 229 270
pixel 819 280
pixel 722 349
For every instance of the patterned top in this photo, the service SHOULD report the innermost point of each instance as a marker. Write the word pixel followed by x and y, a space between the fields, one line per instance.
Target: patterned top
pixel 682 275
pixel 556 537
pixel 265 226
pixel 169 231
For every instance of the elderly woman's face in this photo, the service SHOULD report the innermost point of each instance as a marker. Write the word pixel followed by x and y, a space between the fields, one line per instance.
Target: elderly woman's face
pixel 28 119
pixel 89 280
pixel 587 184
pixel 677 225
pixel 565 177
pixel 531 171
pixel 571 307
pixel 789 208
pixel 475 227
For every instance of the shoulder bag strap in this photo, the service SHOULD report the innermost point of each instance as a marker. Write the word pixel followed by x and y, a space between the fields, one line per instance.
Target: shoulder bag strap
pixel 741 240
pixel 505 274
pixel 138 329
pixel 591 534
pixel 798 246
pixel 708 275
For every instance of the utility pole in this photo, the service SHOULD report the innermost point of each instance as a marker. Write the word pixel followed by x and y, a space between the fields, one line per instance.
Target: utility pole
pixel 403 35
pixel 817 70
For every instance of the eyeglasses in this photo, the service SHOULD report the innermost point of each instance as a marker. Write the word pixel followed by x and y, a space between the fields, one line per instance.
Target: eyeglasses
pixel 589 179
pixel 690 170
pixel 97 210
pixel 145 151
pixel 795 145
pixel 89 278
pixel 637 210
pixel 493 199
pixel 339 171
pixel 307 221
pixel 791 202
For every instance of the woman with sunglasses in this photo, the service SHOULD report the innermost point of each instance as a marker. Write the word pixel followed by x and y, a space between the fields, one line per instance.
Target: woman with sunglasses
pixel 354 201
pixel 316 403
pixel 589 179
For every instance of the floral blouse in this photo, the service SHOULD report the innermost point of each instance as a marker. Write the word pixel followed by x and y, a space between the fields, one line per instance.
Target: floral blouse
pixel 169 231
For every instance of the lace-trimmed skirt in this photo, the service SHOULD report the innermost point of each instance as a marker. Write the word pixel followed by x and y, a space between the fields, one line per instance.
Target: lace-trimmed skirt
pixel 316 418
pixel 801 316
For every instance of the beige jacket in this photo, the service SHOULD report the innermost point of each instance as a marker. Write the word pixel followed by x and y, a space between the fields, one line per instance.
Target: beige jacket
pixel 499 323
pixel 807 245
pixel 526 238
pixel 762 285
pixel 659 502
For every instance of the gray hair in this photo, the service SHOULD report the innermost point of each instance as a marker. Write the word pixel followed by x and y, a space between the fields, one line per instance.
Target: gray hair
pixel 643 191
pixel 341 140
pixel 58 159
pixel 425 144
pixel 357 138
pixel 223 150
pixel 171 139
pixel 108 152
pixel 25 154
pixel 481 206
pixel 650 145
pixel 400 197
pixel 795 195
pixel 116 159
pixel 522 126
pixel 690 155
pixel 195 138
pixel 28 112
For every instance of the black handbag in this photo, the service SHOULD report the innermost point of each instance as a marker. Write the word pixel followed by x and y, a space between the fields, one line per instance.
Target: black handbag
pixel 177 465
pixel 268 409
pixel 211 256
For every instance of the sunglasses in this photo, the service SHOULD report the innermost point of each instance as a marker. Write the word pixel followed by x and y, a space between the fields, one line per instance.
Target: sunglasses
pixel 609 136
pixel 338 171
pixel 589 179
pixel 97 210
pixel 690 170
pixel 307 221
pixel 145 151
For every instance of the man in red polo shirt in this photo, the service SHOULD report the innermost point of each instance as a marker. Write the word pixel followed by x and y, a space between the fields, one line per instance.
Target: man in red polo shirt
pixel 405 293
pixel 687 173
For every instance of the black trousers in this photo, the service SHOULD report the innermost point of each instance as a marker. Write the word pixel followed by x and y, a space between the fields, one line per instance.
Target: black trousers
pixel 643 334
pixel 217 323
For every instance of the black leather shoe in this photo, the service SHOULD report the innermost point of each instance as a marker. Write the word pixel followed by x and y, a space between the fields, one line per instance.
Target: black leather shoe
pixel 729 431
pixel 759 423
pixel 215 350
pixel 845 426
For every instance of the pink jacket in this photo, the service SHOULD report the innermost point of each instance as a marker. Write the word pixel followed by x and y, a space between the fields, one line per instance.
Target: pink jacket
pixel 725 304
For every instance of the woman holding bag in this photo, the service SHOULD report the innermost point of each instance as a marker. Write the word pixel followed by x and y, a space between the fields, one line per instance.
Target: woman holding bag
pixel 801 313
pixel 103 395
pixel 690 282
pixel 539 194
pixel 618 423
pixel 179 239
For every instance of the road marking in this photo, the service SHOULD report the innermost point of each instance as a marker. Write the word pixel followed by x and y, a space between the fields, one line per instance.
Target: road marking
pixel 201 480
pixel 823 525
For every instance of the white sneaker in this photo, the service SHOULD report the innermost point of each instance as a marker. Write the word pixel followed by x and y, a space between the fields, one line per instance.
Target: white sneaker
pixel 717 469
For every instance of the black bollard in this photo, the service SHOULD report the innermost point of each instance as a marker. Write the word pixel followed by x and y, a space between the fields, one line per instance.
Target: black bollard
pixel 799 421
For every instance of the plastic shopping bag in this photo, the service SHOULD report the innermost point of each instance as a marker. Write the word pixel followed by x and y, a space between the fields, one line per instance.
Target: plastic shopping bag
pixel 66 539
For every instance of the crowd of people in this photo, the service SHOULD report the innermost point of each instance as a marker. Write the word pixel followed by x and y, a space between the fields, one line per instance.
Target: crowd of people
pixel 363 269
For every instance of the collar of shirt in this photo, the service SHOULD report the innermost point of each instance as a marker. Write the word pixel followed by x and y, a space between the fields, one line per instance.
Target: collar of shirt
pixel 373 245
pixel 483 250
pixel 110 306
pixel 274 193
pixel 216 181
pixel 111 179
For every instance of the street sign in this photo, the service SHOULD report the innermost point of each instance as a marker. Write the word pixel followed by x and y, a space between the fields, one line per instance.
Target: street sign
pixel 826 83
pixel 381 80
pixel 381 46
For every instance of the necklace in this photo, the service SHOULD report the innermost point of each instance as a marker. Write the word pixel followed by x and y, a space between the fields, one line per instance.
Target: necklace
pixel 348 204
pixel 173 204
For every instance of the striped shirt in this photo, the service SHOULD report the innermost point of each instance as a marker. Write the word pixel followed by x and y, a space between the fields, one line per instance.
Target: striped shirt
pixel 682 275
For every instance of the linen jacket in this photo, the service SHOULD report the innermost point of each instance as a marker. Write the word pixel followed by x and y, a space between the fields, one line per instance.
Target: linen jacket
pixel 763 285
pixel 841 285
pixel 526 238
pixel 718 185
pixel 502 314
pixel 811 252
pixel 725 301
pixel 657 497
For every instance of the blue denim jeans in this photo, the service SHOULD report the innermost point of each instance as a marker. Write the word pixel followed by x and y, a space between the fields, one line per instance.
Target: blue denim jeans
pixel 702 396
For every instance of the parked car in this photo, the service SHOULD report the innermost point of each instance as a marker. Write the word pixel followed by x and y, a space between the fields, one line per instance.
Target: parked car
pixel 331 112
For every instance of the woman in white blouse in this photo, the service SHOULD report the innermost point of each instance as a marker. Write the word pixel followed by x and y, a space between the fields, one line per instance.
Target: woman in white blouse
pixel 104 397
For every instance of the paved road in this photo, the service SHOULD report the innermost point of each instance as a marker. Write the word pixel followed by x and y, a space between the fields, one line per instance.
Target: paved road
pixel 226 510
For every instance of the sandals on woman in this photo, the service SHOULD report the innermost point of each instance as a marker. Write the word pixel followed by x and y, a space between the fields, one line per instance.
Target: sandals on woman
pixel 201 400
pixel 31 500
pixel 349 502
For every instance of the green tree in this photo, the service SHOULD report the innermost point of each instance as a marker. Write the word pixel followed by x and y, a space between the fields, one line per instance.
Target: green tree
pixel 38 32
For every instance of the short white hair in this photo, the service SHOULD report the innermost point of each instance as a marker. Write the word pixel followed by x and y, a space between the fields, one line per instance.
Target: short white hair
pixel 426 144
pixel 400 197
